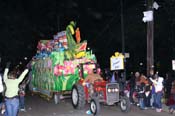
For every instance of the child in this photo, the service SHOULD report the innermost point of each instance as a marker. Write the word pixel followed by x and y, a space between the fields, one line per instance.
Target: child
pixel 21 96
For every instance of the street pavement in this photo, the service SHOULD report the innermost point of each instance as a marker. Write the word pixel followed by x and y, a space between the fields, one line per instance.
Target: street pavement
pixel 37 106
pixel 165 108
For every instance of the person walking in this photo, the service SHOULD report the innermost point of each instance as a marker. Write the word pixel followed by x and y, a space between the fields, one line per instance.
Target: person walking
pixel 11 93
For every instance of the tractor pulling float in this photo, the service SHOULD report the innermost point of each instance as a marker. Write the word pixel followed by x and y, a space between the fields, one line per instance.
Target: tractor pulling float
pixel 95 90
pixel 63 65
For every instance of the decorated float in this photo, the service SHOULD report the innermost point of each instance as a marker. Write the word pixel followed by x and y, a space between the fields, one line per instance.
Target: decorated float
pixel 55 67
pixel 63 65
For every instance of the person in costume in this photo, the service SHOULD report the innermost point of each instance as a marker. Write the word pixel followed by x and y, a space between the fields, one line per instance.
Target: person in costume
pixel 77 35
pixel 93 76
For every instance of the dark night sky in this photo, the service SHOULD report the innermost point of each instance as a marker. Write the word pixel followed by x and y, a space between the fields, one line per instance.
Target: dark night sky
pixel 24 22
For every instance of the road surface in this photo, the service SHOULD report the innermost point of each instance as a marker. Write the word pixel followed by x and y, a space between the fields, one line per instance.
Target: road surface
pixel 37 106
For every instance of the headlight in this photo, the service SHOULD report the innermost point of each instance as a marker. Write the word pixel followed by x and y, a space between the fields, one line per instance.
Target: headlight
pixel 116 90
pixel 109 90
pixel 113 90
pixel 84 83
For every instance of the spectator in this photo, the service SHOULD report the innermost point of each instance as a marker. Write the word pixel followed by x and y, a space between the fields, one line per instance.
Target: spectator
pixel 152 89
pixel 147 93
pixel 11 93
pixel 158 84
pixel 167 85
pixel 132 84
pixel 143 79
pixel 147 96
pixel 141 95
pixel 107 74
pixel 153 95
pixel 171 100
pixel 21 96
pixel 116 75
pixel 1 95
pixel 22 93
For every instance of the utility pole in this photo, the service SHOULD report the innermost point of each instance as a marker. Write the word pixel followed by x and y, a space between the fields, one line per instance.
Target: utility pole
pixel 123 37
pixel 122 28
pixel 150 39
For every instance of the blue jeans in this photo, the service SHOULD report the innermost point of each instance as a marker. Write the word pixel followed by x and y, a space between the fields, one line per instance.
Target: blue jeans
pixel 172 107
pixel 158 100
pixel 147 100
pixel 21 102
pixel 131 95
pixel 141 103
pixel 153 100
pixel 12 106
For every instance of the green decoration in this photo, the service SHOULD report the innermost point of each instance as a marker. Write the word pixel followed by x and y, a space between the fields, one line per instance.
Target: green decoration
pixel 43 68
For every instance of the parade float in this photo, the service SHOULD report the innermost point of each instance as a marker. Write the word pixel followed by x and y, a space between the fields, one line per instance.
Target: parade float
pixel 64 65
pixel 55 67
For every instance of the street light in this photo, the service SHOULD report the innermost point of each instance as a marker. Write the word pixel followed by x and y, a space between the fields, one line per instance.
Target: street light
pixel 20 62
pixel 141 64
pixel 25 58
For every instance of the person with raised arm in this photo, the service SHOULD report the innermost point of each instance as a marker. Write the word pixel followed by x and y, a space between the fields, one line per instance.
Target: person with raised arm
pixel 12 88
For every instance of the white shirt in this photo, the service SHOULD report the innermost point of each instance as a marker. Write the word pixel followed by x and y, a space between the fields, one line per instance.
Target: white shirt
pixel 158 84
pixel 1 84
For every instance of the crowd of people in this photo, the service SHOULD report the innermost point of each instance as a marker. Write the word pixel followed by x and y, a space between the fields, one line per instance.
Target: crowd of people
pixel 143 91
pixel 152 91
pixel 148 92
